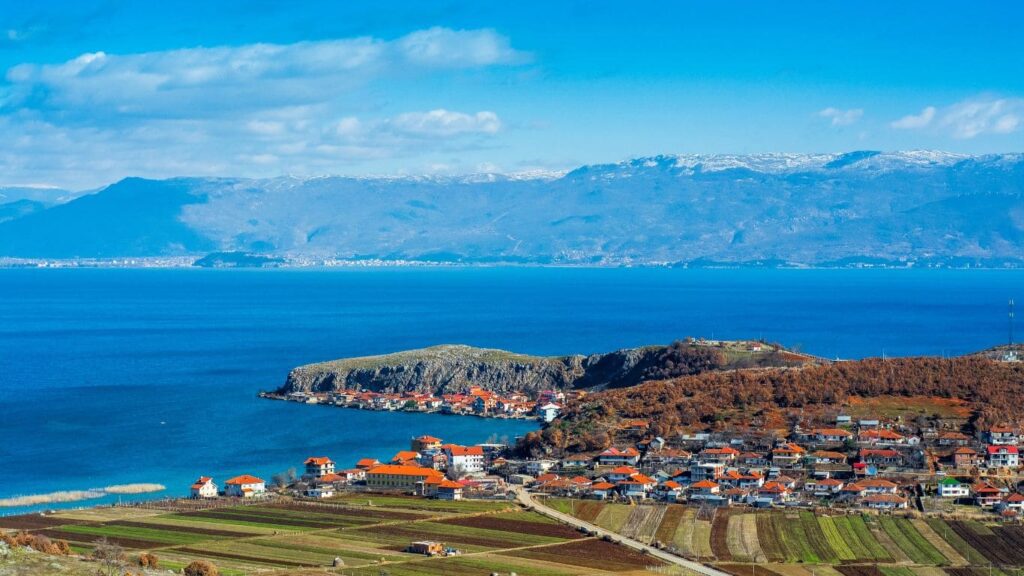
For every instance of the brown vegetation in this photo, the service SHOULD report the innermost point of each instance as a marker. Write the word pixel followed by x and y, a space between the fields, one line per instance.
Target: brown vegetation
pixel 200 568
pixel 148 560
pixel 37 542
pixel 716 398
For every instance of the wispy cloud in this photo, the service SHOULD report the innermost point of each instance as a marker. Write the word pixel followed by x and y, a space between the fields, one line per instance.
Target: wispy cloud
pixel 968 118
pixel 838 117
pixel 302 106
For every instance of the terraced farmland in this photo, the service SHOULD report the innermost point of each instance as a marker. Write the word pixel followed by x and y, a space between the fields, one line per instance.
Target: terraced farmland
pixel 856 543
pixel 369 534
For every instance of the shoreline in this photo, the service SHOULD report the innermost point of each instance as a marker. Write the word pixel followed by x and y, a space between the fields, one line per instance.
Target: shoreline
pixel 434 411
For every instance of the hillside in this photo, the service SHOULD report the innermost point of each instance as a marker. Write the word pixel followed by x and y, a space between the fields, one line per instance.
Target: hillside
pixel 717 399
pixel 806 209
pixel 452 368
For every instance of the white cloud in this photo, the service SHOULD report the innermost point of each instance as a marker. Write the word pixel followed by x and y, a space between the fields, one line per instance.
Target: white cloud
pixel 841 117
pixel 260 109
pixel 445 123
pixel 968 118
pixel 912 121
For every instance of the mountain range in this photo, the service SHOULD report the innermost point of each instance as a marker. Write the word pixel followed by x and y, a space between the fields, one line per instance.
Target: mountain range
pixel 861 207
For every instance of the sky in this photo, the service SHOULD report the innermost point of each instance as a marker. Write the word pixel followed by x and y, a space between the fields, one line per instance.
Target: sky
pixel 92 91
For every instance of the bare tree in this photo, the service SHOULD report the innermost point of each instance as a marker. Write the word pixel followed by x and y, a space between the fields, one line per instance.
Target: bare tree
pixel 110 556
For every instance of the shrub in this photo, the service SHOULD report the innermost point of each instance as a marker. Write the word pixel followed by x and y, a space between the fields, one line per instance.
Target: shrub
pixel 147 560
pixel 200 568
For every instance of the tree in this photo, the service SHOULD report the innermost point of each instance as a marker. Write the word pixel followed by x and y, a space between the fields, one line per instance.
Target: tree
pixel 200 568
pixel 110 556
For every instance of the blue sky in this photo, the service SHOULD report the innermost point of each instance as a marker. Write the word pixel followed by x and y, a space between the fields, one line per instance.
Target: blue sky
pixel 95 91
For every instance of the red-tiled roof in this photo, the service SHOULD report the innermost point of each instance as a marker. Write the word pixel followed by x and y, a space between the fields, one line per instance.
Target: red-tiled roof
pixel 318 460
pixel 244 479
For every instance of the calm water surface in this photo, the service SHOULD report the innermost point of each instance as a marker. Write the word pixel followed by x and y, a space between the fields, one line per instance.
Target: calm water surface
pixel 117 376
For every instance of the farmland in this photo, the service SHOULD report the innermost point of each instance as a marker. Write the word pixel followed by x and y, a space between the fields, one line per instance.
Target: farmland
pixel 367 532
pixel 783 543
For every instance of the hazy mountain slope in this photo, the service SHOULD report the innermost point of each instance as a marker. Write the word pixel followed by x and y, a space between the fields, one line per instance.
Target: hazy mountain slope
pixel 134 217
pixel 721 208
pixel 19 208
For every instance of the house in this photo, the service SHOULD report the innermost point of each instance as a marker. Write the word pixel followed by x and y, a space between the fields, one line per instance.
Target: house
pixel 787 455
pixel 615 457
pixel 832 435
pixel 1002 456
pixel 950 487
pixel 426 547
pixel 367 463
pixel 317 466
pixel 706 470
pixel 752 460
pixel 986 495
pixel 324 490
pixel 1002 436
pixel 621 473
pixel 467 459
pixel 449 490
pixel 827 457
pixel 405 457
pixel 824 487
pixel 245 486
pixel 398 477
pixel 884 502
pixel 637 486
pixel 880 457
pixel 577 461
pixel 880 437
pixel 347 476
pixel 424 443
pixel 703 490
pixel 774 491
pixel 204 488
pixel 878 486
pixel 538 467
pixel 1014 502
pixel 548 412
pixel 669 490
pixel 967 458
pixel 602 490
pixel 725 455
pixel 953 439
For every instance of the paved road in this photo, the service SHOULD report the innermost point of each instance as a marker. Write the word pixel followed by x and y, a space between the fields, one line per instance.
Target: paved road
pixel 526 499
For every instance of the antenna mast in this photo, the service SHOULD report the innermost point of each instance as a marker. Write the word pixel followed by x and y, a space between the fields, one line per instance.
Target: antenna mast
pixel 1011 323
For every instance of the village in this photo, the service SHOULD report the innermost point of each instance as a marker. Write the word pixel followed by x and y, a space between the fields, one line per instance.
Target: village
pixel 862 464
pixel 473 401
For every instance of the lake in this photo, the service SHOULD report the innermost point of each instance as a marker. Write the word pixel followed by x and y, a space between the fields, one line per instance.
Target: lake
pixel 120 376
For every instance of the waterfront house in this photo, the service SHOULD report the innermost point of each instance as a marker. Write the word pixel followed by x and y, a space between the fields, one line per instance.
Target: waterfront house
pixel 245 486
pixel 950 487
pixel 1002 456
pixel 424 443
pixel 204 488
pixel 548 412
pixel 398 477
pixel 317 466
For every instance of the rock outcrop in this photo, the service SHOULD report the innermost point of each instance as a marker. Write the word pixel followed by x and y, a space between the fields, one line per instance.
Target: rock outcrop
pixel 450 368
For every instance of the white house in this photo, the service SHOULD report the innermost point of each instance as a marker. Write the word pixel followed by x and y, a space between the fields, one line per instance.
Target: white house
pixel 1003 457
pixel 602 490
pixel 1002 436
pixel 317 466
pixel 950 487
pixel 325 490
pixel 245 486
pixel 885 501
pixel 468 459
pixel 615 457
pixel 204 488
pixel 548 412
pixel 538 467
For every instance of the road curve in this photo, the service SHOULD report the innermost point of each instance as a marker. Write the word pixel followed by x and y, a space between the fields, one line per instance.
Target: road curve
pixel 526 499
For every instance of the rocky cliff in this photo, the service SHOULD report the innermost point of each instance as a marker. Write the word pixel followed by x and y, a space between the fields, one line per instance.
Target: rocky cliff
pixel 450 368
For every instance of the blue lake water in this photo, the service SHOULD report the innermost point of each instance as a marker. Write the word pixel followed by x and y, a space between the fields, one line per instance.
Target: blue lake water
pixel 119 376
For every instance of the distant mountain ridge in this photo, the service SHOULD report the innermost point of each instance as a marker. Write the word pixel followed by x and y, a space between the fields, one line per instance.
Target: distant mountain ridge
pixel 717 209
